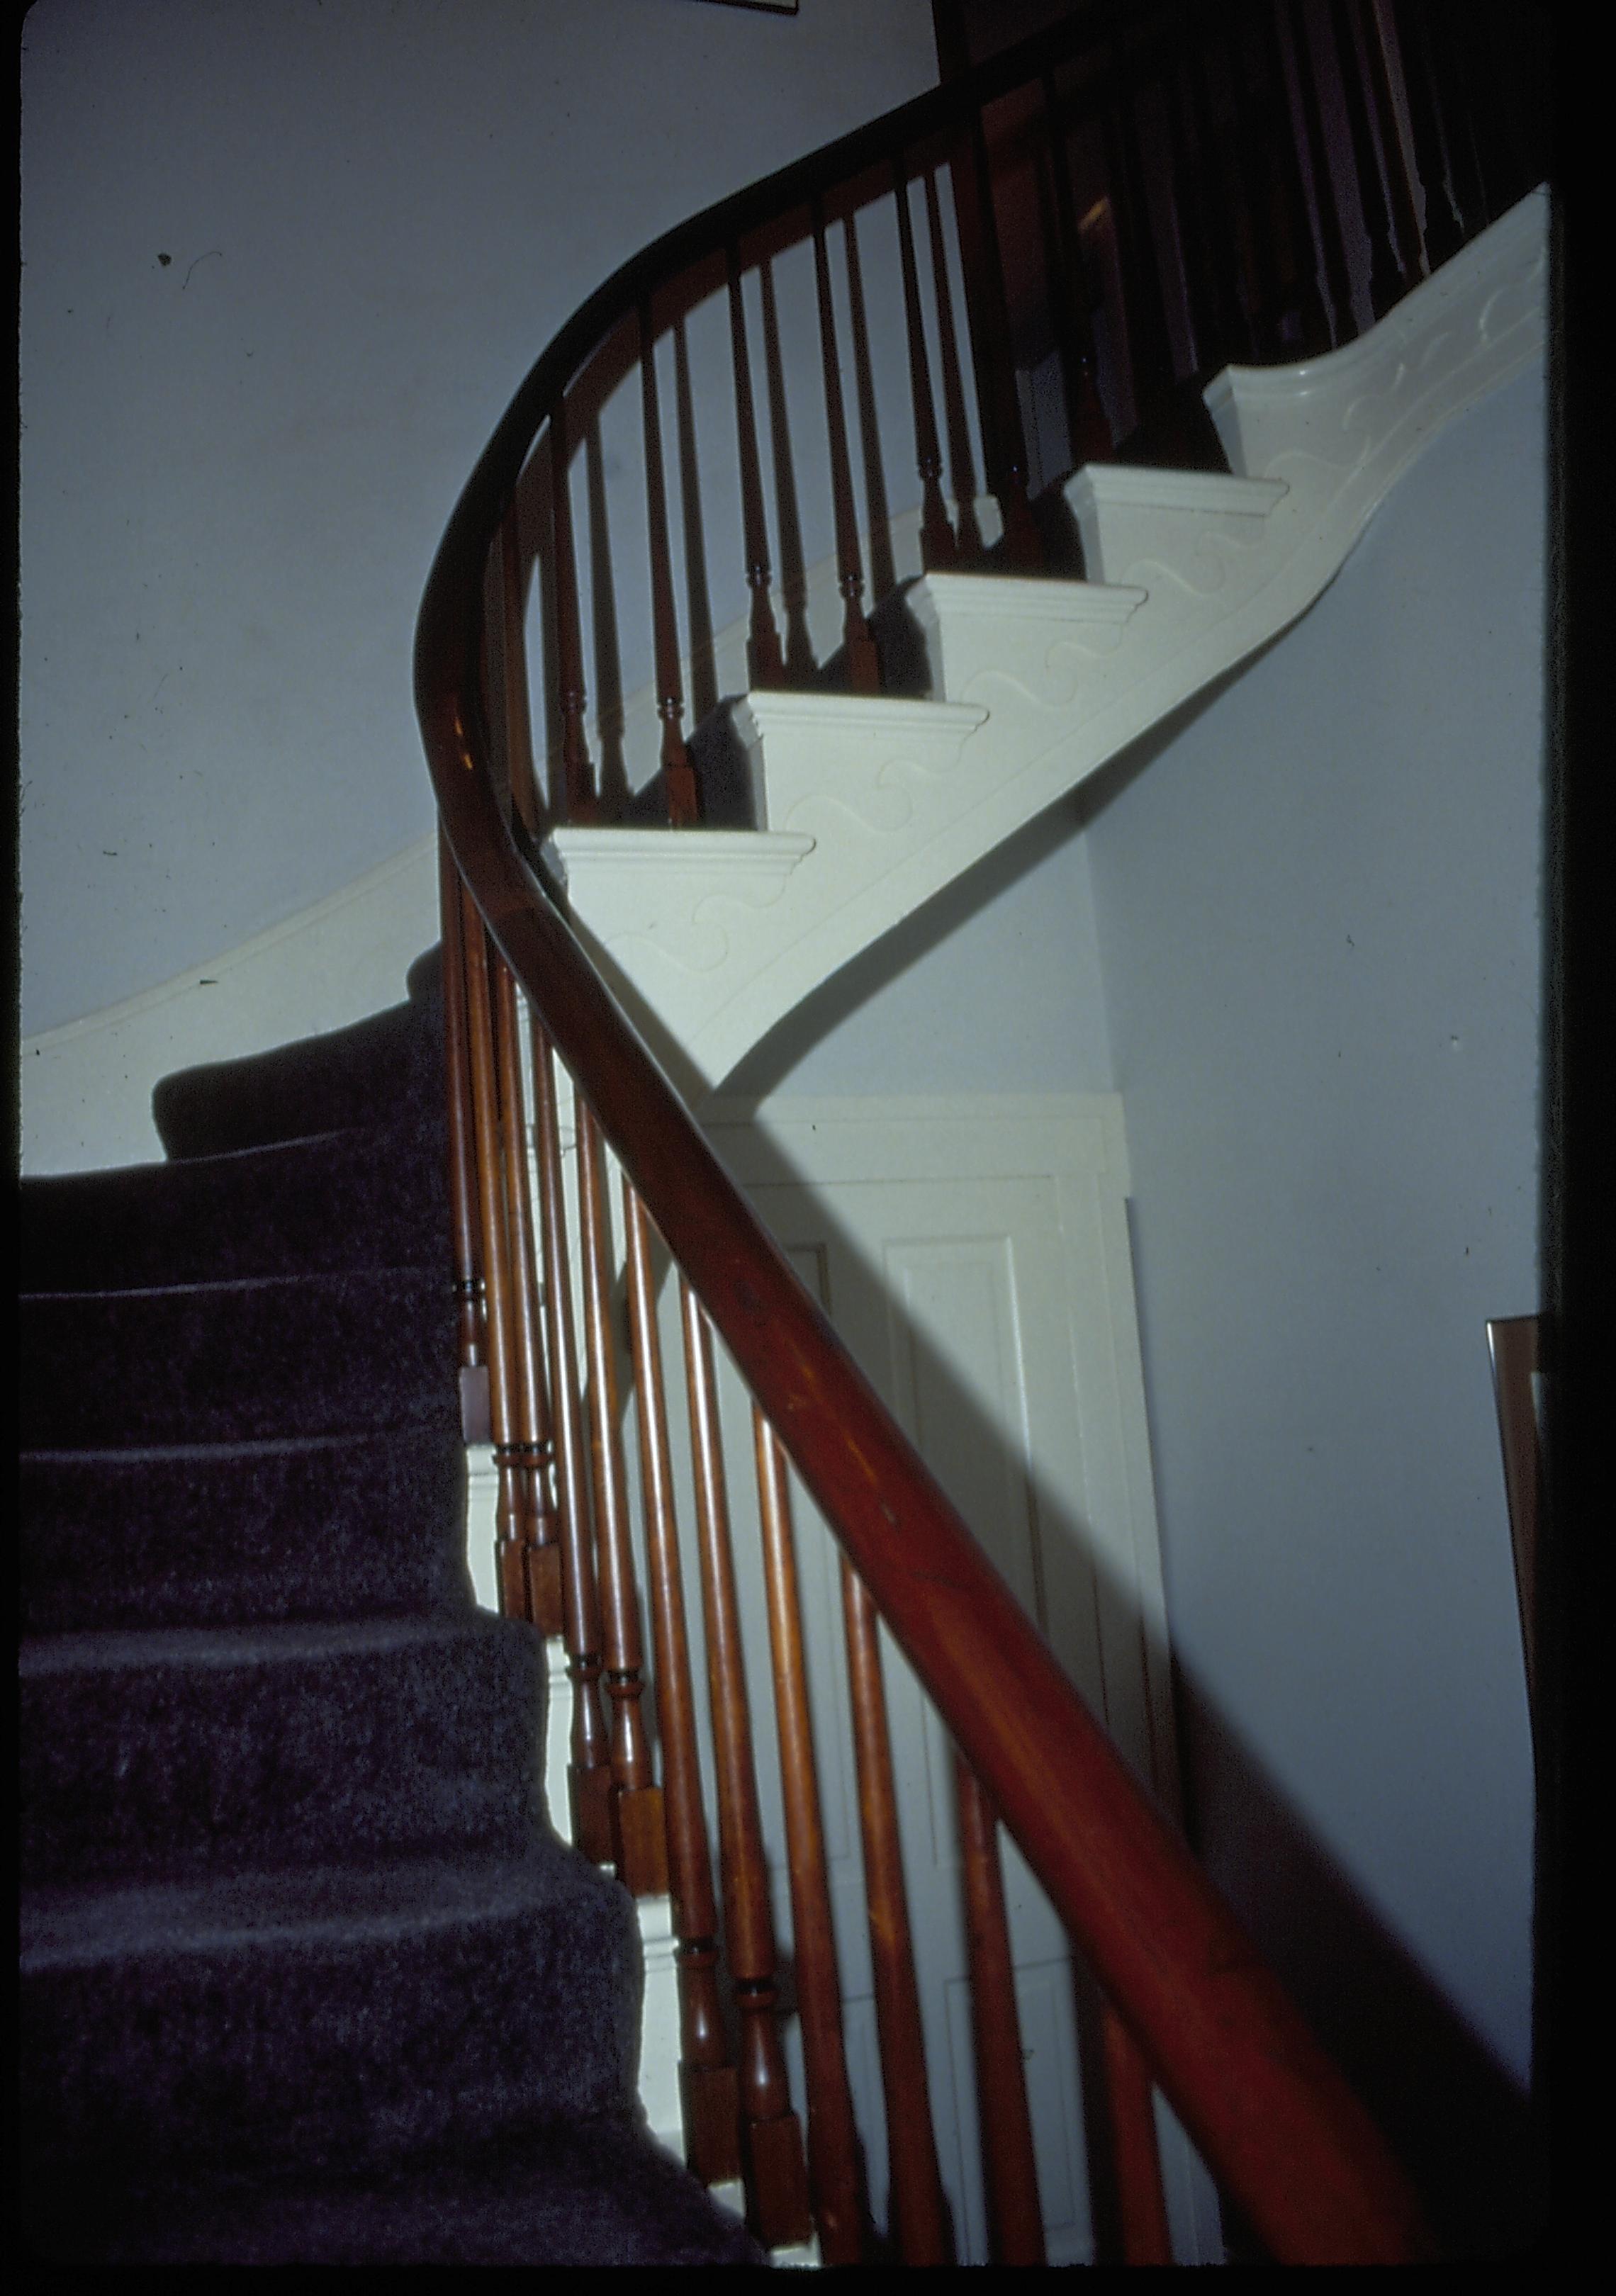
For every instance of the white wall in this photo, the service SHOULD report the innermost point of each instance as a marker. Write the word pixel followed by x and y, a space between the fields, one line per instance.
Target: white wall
pixel 1318 923
pixel 237 462
pixel 995 986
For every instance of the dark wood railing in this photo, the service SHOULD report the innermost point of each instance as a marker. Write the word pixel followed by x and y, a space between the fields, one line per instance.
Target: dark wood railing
pixel 1149 191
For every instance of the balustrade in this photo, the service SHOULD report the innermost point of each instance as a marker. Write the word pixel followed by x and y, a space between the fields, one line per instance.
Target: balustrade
pixel 1196 182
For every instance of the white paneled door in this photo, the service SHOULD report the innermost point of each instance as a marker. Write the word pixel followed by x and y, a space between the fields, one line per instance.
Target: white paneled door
pixel 973 1254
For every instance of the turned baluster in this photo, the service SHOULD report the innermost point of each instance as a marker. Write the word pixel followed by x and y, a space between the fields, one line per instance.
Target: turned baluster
pixel 1229 214
pixel 800 664
pixel 576 798
pixel 962 467
pixel 937 543
pixel 1446 36
pixel 1088 426
pixel 777 2174
pixel 1291 310
pixel 862 665
pixel 1135 2155
pixel 1015 2220
pixel 1496 90
pixel 541 1551
pixel 679 775
pixel 1150 350
pixel 1444 230
pixel 709 2089
pixel 1203 232
pixel 1387 281
pixel 511 1514
pixel 832 2138
pixel 636 1799
pixel 462 1158
pixel 589 1758
pixel 883 573
pixel 1400 178
pixel 518 713
pixel 999 406
pixel 919 2212
pixel 1326 200
pixel 763 663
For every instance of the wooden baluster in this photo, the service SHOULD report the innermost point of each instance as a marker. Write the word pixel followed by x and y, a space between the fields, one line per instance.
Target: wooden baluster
pixel 1494 89
pixel 1009 2172
pixel 1150 350
pixel 541 1549
pixel 1230 217
pixel 1444 230
pixel 765 665
pixel 679 775
pixel 962 467
pixel 1205 251
pixel 709 2089
pixel 1332 237
pixel 994 358
pixel 936 543
pixel 1405 217
pixel 1448 34
pixel 589 1758
pixel 800 667
pixel 839 2210
pixel 636 1799
pixel 1275 256
pixel 883 573
pixel 1087 424
pixel 510 1526
pixel 863 664
pixel 777 2178
pixel 920 2214
pixel 575 799
pixel 1136 2157
pixel 1293 299
pixel 1386 283
pixel 518 717
pixel 474 1419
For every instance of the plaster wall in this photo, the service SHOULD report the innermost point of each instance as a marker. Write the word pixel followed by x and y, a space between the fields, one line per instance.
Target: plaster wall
pixel 1318 922
pixel 283 266
pixel 994 986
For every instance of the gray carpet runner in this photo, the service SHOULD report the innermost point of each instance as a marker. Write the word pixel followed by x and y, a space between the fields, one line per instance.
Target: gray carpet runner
pixel 306 1975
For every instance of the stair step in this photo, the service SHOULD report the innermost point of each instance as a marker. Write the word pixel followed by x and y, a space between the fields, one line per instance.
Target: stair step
pixel 1170 520
pixel 373 1072
pixel 333 1527
pixel 213 1363
pixel 330 2018
pixel 853 754
pixel 594 2193
pixel 341 1199
pixel 269 1745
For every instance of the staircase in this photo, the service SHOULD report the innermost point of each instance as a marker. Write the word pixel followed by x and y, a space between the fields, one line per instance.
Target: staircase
pixel 305 1974
pixel 1003 693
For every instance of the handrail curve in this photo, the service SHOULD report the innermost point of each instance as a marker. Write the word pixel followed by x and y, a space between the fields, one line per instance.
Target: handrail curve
pixel 1271 2114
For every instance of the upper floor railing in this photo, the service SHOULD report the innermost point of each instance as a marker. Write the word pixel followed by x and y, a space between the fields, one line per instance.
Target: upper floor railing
pixel 1023 270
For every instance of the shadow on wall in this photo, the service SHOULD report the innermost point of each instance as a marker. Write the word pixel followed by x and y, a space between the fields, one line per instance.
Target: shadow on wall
pixel 1459 2124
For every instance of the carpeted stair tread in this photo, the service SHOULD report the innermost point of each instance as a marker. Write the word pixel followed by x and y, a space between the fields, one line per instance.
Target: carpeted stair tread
pixel 267 1745
pixel 339 1200
pixel 306 1976
pixel 260 1356
pixel 375 1070
pixel 594 2193
pixel 327 2016
pixel 327 1526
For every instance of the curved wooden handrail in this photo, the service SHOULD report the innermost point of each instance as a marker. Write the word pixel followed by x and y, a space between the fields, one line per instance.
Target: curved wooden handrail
pixel 1270 2112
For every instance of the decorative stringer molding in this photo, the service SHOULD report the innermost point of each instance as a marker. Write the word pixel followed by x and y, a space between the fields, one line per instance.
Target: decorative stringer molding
pixel 869 807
